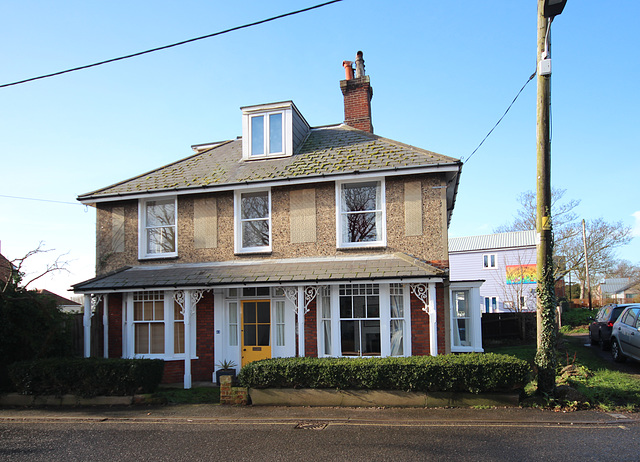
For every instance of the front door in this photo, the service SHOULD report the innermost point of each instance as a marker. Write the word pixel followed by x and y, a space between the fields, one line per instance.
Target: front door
pixel 256 330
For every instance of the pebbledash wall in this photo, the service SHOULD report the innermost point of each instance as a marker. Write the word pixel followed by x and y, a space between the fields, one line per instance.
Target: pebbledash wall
pixel 430 246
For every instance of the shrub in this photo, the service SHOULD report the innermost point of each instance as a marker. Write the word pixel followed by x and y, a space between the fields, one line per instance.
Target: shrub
pixel 86 377
pixel 31 326
pixel 472 372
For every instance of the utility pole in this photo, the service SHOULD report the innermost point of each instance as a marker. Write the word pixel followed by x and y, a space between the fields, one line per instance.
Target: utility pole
pixel 586 262
pixel 546 301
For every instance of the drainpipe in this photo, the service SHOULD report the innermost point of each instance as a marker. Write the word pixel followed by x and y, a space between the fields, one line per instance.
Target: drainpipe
pixel 301 307
pixel 433 322
pixel 187 339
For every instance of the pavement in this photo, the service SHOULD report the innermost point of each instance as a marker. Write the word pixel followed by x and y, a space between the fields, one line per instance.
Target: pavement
pixel 254 415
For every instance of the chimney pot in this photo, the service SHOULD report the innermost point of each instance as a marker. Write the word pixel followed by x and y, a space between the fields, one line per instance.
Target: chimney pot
pixel 348 70
pixel 359 65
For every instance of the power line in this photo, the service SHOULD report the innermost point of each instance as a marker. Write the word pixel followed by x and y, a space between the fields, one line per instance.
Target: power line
pixel 500 119
pixel 171 46
pixel 40 200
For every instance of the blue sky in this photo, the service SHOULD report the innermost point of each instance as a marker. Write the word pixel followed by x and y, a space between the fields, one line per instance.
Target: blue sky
pixel 442 73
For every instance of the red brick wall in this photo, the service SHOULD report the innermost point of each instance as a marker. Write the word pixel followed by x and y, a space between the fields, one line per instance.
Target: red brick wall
pixel 311 330
pixel 420 324
pixel 115 325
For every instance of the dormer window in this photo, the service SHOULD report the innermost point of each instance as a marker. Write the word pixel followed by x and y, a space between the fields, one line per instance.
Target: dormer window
pixel 267 134
pixel 272 130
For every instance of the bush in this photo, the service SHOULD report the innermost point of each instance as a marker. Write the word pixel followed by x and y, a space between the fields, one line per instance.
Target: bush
pixel 86 377
pixel 472 372
pixel 31 326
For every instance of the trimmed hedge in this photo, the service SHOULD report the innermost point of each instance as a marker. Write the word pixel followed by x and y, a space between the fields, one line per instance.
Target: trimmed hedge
pixel 86 377
pixel 470 372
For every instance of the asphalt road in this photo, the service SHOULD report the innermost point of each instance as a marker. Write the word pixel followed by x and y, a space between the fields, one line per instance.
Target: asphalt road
pixel 527 436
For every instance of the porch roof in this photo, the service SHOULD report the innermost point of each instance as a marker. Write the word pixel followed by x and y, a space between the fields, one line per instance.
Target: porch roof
pixel 396 266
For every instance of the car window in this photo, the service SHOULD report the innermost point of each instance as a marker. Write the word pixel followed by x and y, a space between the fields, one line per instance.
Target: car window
pixel 629 318
pixel 616 313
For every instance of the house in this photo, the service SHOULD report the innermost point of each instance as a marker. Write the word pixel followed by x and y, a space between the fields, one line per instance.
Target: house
pixel 507 264
pixel 620 290
pixel 6 270
pixel 63 304
pixel 290 240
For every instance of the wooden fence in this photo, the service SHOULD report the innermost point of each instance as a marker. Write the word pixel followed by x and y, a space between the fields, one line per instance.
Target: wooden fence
pixel 508 326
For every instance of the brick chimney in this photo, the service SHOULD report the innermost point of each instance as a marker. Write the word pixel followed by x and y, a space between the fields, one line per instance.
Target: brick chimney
pixel 357 93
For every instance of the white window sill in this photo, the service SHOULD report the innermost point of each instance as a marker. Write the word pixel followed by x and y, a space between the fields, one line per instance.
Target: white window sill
pixel 158 257
pixel 375 245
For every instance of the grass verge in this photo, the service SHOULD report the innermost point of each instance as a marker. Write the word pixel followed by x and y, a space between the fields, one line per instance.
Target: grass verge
pixel 204 395
pixel 594 377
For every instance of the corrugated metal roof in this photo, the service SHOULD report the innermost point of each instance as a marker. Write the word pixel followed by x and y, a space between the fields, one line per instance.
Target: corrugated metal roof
pixel 263 272
pixel 614 285
pixel 493 241
pixel 332 150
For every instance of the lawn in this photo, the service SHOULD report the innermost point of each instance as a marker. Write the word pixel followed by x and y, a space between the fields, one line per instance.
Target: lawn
pixel 594 377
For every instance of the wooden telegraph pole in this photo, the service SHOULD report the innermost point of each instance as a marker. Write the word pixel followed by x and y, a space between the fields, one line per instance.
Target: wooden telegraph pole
pixel 546 300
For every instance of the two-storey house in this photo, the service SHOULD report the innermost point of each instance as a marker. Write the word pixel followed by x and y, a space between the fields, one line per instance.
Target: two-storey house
pixel 290 240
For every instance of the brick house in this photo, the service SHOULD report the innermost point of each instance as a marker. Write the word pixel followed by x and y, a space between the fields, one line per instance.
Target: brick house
pixel 290 240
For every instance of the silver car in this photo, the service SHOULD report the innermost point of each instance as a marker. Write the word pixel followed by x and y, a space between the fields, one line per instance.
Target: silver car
pixel 625 335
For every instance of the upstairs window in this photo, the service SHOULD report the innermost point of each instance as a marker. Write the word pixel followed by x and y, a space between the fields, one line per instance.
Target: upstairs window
pixel 158 228
pixel 489 261
pixel 361 214
pixel 267 135
pixel 253 221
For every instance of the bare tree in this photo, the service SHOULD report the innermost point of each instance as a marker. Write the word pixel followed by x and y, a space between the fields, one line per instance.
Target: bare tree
pixel 603 238
pixel 18 275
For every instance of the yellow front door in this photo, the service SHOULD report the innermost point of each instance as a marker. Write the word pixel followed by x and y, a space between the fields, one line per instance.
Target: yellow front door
pixel 256 330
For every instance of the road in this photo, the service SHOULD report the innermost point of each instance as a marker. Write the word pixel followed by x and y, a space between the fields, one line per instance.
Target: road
pixel 401 436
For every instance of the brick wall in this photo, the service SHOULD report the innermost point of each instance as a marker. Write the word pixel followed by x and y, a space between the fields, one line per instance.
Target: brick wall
pixel 420 339
pixel 115 325
pixel 311 331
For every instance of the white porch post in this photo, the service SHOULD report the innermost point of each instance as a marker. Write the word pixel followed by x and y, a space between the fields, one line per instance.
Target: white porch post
pixel 433 321
pixel 86 322
pixel 105 324
pixel 301 312
pixel 187 338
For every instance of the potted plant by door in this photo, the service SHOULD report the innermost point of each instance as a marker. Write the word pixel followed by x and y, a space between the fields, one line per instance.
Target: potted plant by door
pixel 226 367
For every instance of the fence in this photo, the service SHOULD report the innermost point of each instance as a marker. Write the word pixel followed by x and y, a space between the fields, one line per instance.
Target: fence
pixel 508 326
pixel 75 327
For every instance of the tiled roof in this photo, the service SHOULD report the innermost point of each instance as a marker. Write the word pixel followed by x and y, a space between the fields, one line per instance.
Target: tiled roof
pixel 493 241
pixel 330 150
pixel 264 272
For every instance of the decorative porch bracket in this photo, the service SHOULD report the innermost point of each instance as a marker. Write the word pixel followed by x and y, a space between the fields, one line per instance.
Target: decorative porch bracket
pixel 188 300
pixel 301 296
pixel 426 293
pixel 90 303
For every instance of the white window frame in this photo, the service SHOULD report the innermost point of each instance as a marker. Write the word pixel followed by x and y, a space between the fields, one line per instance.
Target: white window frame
pixel 266 135
pixel 493 307
pixel 169 326
pixel 341 216
pixel 238 223
pixel 489 257
pixel 385 322
pixel 142 229
pixel 265 110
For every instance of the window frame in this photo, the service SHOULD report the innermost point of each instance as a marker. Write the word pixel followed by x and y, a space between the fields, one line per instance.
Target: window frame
pixel 341 216
pixel 266 134
pixel 143 239
pixel 489 257
pixel 238 221
pixel 169 322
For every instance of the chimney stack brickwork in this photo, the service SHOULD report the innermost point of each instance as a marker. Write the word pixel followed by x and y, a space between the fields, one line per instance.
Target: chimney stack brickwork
pixel 357 94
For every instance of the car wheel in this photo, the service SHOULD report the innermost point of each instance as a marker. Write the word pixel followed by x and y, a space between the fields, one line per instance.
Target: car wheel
pixel 615 351
pixel 592 340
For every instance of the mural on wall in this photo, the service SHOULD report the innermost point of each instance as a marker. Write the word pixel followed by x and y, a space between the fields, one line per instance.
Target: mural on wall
pixel 521 274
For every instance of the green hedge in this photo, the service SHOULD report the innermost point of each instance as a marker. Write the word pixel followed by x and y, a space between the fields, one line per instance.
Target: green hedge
pixel 472 372
pixel 86 377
